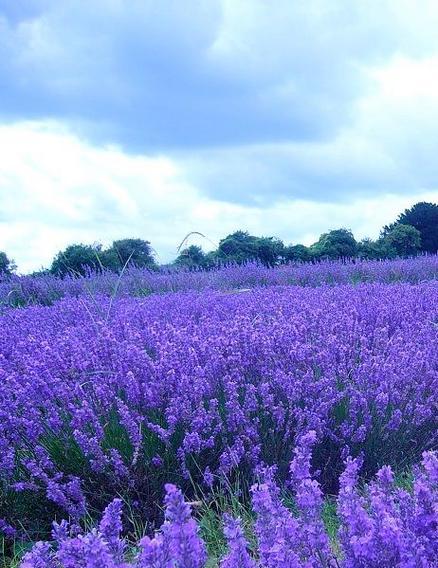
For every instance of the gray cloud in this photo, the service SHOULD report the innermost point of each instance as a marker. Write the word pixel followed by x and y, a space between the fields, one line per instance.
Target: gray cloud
pixel 172 75
pixel 342 170
pixel 278 117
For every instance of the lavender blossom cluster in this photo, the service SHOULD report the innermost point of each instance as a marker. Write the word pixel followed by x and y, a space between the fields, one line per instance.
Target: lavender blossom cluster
pixel 387 527
pixel 46 289
pixel 104 397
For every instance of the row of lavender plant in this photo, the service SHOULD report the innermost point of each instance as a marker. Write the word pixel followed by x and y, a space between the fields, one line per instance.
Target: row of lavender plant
pixel 28 290
pixel 104 397
pixel 385 527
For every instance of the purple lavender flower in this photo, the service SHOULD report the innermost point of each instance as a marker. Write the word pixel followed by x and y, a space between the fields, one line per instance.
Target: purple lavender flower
pixel 89 551
pixel 153 553
pixel 40 556
pixel 386 526
pixel 238 547
pixel 212 382
pixel 180 532
pixel 61 531
pixel 7 529
pixel 277 531
pixel 110 527
pixel 309 499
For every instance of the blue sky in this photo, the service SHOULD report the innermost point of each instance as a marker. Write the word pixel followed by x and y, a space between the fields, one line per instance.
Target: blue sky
pixel 152 119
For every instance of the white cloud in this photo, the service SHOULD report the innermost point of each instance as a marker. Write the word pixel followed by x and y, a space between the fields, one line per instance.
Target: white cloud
pixel 282 118
pixel 56 189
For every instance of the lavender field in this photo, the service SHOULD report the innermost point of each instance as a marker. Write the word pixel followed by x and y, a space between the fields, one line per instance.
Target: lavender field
pixel 21 291
pixel 285 417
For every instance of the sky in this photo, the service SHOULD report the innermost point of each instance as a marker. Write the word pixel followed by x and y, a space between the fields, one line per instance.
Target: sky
pixel 138 118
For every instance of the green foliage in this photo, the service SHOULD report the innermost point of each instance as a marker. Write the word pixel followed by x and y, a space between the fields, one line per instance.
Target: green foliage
pixel 226 496
pixel 212 259
pixel 269 250
pixel 298 253
pixel 339 243
pixel 194 257
pixel 405 240
pixel 238 247
pixel 76 260
pixel 424 217
pixel 136 252
pixel 11 552
pixel 415 230
pixel 110 260
pixel 330 519
pixel 242 247
pixel 374 250
pixel 41 272
pixel 7 266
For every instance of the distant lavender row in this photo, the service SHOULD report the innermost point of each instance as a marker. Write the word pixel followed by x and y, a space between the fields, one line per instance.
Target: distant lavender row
pixel 101 398
pixel 26 290
pixel 388 527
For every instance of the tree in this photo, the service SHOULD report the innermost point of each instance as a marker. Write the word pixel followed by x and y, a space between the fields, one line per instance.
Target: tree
pixel 192 257
pixel 424 217
pixel 404 239
pixel 298 253
pixel 238 247
pixel 132 251
pixel 211 259
pixel 339 243
pixel 41 272
pixel 110 260
pixel 269 250
pixel 7 266
pixel 242 247
pixel 374 250
pixel 76 260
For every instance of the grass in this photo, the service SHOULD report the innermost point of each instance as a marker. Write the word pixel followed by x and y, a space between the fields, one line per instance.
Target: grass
pixel 232 495
pixel 208 511
pixel 11 554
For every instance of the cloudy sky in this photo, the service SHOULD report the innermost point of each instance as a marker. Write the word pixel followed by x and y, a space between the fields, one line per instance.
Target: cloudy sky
pixel 151 119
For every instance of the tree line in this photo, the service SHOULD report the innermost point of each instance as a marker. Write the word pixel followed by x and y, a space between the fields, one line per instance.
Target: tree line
pixel 414 231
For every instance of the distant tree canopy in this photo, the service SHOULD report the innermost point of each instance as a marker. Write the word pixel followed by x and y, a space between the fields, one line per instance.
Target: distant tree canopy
pixel 76 260
pixel 269 250
pixel 129 251
pixel 339 243
pixel 298 253
pixel 238 247
pixel 404 240
pixel 7 266
pixel 194 257
pixel 424 217
pixel 242 247
pixel 374 250
pixel 414 231
pixel 366 249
